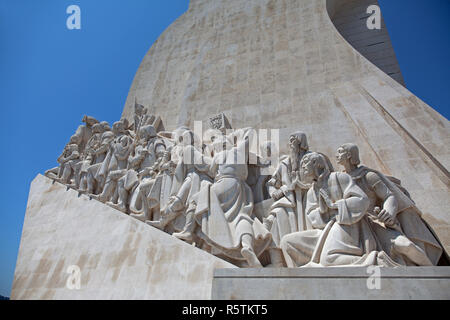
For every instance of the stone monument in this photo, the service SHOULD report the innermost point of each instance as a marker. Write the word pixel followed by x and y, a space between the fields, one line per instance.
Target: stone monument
pixel 353 176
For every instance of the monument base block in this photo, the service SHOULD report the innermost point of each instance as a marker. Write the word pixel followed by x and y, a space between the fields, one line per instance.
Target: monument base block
pixel 335 283
pixel 73 247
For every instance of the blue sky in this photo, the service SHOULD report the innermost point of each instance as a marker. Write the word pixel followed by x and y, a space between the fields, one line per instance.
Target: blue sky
pixel 51 76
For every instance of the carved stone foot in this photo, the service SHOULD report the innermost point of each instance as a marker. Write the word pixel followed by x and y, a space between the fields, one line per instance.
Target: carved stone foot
pixel 96 197
pixel 251 258
pixel 117 206
pixel 156 224
pixel 60 180
pixel 184 235
pixel 51 175
pixel 140 216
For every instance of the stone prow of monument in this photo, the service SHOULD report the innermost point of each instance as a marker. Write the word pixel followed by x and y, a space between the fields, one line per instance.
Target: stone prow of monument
pixel 118 256
pixel 122 258
pixel 301 65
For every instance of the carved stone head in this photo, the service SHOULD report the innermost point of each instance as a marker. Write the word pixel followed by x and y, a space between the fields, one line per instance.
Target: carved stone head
pixel 313 166
pixel 90 121
pixel 177 135
pixel 298 141
pixel 160 151
pixel 97 128
pixel 105 126
pixel 221 143
pixel 118 127
pixel 348 152
pixel 71 148
pixel 75 140
pixel 147 132
pixel 187 138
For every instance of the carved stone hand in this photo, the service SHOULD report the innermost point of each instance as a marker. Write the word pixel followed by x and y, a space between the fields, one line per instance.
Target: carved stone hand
pixel 330 204
pixel 276 195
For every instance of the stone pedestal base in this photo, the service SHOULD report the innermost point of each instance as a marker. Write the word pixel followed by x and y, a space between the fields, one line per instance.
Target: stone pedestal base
pixel 68 239
pixel 332 283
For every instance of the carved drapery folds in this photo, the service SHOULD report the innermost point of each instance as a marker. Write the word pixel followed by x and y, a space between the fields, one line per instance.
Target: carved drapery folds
pixel 217 195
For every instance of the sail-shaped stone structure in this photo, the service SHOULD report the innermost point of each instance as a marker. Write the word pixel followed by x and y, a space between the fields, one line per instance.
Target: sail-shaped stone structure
pixel 301 65
pixel 292 65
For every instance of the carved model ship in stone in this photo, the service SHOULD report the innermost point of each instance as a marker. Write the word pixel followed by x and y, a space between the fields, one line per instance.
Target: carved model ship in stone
pixel 303 213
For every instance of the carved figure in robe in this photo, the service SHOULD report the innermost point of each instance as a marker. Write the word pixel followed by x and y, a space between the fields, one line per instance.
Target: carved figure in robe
pixel 143 156
pixel 68 160
pixel 95 182
pixel 91 157
pixel 116 162
pixel 148 148
pixel 396 220
pixel 84 132
pixel 337 209
pixel 223 210
pixel 287 211
pixel 152 195
pixel 257 179
pixel 191 170
pixel 82 136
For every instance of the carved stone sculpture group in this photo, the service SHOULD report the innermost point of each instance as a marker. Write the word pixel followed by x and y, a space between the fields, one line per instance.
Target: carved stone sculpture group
pixel 304 214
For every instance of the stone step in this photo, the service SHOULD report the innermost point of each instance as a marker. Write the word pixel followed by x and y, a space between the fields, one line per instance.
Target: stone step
pixel 335 283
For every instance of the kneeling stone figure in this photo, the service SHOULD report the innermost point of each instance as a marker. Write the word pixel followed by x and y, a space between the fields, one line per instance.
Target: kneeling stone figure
pixel 337 209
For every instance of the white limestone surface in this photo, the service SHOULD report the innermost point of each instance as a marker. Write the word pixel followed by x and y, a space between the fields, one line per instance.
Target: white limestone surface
pixel 288 65
pixel 119 257
pixel 336 283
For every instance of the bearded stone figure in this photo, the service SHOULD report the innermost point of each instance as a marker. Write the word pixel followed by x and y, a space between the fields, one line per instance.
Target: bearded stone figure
pixel 287 212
